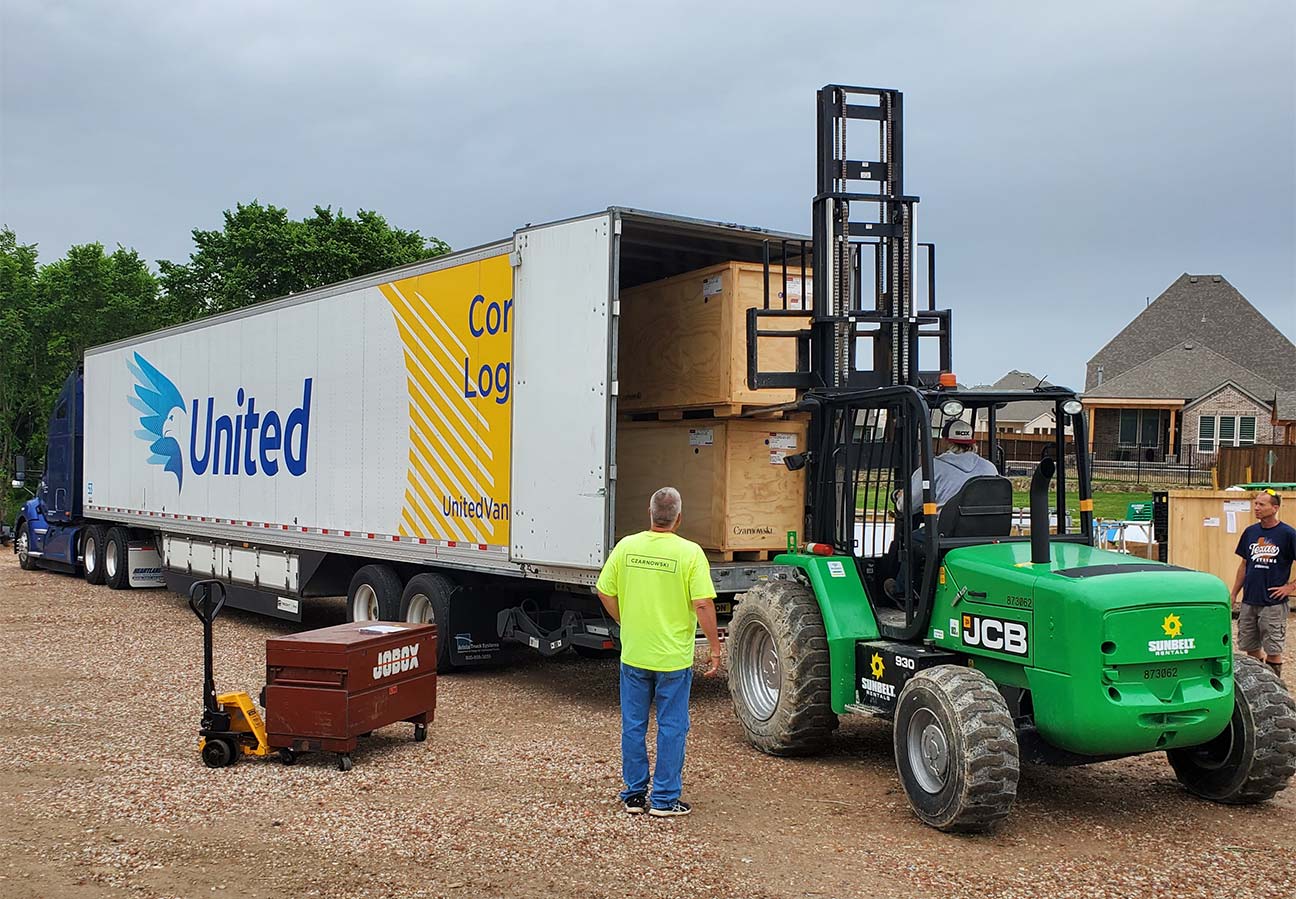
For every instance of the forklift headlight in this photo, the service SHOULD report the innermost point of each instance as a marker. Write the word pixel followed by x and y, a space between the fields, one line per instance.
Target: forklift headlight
pixel 951 408
pixel 1072 407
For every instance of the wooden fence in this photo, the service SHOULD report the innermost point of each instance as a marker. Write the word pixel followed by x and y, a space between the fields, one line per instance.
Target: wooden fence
pixel 1235 460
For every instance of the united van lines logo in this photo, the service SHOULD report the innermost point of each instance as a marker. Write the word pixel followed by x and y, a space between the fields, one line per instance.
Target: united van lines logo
pixel 1178 644
pixel 1264 551
pixel 394 661
pixel 248 442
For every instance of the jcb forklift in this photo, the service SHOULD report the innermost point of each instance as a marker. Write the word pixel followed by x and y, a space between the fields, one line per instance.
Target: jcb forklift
pixel 997 647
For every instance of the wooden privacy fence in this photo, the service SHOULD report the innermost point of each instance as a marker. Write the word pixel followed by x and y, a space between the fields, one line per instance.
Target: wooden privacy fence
pixel 1235 460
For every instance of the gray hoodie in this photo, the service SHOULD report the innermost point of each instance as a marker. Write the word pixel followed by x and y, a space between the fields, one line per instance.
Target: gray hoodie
pixel 950 471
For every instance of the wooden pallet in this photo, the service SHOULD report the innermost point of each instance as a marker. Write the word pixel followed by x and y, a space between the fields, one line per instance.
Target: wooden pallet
pixel 724 410
pixel 742 555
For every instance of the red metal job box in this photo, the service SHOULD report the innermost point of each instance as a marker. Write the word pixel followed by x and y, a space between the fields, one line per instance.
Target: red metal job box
pixel 328 686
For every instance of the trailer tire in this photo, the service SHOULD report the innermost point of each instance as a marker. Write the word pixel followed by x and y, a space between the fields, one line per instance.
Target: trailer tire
pixel 22 546
pixel 426 600
pixel 956 749
pixel 116 559
pixel 779 676
pixel 92 554
pixel 374 594
pixel 1255 756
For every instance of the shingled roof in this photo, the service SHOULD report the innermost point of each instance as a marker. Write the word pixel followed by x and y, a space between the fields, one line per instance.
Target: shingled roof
pixel 1207 311
pixel 1022 410
pixel 1185 371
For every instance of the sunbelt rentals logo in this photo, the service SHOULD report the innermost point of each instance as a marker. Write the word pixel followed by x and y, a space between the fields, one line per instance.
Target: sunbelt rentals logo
pixel 244 441
pixel 1176 644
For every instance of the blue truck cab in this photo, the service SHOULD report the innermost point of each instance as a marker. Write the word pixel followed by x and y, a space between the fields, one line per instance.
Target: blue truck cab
pixel 48 528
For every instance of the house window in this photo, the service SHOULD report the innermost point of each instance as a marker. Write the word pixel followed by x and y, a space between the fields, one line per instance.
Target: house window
pixel 1215 431
pixel 1140 427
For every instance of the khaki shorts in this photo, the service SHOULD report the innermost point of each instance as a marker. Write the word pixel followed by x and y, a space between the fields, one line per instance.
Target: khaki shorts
pixel 1262 627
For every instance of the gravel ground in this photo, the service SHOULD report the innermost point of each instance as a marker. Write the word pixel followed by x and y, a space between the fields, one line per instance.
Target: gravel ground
pixel 513 794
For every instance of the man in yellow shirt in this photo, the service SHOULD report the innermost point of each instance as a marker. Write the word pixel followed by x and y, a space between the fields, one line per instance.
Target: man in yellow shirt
pixel 657 586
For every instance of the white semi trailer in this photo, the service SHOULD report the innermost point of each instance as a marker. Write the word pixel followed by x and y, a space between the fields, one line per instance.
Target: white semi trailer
pixel 438 441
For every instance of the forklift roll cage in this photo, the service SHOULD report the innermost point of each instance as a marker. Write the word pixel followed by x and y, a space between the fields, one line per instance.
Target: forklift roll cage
pixel 872 404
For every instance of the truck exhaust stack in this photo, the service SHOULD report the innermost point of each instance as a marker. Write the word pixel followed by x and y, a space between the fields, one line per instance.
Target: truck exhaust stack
pixel 1039 511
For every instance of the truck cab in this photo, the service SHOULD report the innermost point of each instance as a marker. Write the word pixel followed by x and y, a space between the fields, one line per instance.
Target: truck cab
pixel 48 526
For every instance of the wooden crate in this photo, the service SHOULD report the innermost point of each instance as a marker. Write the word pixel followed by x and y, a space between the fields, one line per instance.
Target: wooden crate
pixel 1200 535
pixel 683 340
pixel 739 498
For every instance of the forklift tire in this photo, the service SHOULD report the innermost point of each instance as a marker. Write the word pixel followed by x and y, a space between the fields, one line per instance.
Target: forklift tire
pixel 779 676
pixel 956 749
pixel 374 594
pixel 1255 756
pixel 116 559
pixel 22 546
pixel 426 600
pixel 219 752
pixel 92 554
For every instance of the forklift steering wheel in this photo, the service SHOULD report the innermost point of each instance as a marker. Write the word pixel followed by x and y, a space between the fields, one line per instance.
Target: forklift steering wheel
pixel 204 608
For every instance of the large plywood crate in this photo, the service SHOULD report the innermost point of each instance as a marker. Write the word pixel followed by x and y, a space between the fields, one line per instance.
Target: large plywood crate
pixel 739 497
pixel 683 341
pixel 1205 526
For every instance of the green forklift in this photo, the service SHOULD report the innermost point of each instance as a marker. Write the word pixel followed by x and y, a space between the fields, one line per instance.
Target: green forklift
pixel 984 645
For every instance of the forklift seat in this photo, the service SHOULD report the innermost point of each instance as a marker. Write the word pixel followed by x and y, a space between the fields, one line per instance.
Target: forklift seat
pixel 981 508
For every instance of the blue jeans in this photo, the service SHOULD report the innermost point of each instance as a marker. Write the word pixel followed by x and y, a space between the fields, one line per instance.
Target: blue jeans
pixel 639 688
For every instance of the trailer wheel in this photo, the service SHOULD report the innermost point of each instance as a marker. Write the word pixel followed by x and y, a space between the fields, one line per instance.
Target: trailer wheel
pixel 1255 756
pixel 92 553
pixel 427 601
pixel 116 559
pixel 778 670
pixel 374 594
pixel 956 749
pixel 22 545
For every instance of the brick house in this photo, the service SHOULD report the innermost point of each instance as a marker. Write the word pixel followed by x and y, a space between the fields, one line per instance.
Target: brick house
pixel 1022 416
pixel 1200 368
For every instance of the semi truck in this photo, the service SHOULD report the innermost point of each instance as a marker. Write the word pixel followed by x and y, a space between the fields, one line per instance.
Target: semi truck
pixel 437 442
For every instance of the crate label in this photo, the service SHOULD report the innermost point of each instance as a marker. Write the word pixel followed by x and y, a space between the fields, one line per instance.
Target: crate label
pixel 288 605
pixel 712 286
pixel 777 457
pixel 701 436
pixel 795 297
pixel 836 569
pixel 782 440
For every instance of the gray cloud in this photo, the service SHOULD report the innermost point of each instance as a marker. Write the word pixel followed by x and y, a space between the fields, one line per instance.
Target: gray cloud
pixel 1072 159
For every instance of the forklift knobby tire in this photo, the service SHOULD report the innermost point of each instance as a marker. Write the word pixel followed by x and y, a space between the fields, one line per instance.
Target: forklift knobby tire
pixel 374 594
pixel 956 749
pixel 779 677
pixel 218 752
pixel 117 559
pixel 1255 756
pixel 22 546
pixel 426 600
pixel 92 554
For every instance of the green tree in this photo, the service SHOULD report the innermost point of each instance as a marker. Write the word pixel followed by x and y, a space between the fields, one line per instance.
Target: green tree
pixel 261 254
pixel 17 289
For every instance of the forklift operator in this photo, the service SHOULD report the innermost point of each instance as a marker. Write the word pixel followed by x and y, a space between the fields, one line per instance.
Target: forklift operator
pixel 951 469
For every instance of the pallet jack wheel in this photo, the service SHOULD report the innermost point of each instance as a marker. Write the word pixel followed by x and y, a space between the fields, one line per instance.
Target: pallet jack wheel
pixel 344 761
pixel 420 733
pixel 287 756
pixel 219 752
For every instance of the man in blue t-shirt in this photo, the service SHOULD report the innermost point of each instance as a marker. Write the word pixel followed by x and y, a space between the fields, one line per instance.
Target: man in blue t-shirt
pixel 1267 548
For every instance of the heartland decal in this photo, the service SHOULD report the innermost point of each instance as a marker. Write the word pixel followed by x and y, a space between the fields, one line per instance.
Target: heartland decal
pixel 394 661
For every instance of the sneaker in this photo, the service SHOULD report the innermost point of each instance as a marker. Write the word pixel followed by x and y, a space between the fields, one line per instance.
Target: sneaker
pixel 675 809
pixel 889 587
pixel 636 804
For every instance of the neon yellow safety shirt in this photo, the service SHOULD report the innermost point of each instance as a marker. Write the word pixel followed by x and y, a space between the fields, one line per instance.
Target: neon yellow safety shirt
pixel 656 576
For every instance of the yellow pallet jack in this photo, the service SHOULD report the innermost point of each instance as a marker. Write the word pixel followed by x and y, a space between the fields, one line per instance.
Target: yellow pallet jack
pixel 231 725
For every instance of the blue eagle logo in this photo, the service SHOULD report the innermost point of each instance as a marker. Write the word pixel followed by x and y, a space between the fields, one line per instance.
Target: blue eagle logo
pixel 163 409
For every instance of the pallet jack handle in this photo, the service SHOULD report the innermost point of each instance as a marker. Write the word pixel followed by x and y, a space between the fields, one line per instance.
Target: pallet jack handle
pixel 206 607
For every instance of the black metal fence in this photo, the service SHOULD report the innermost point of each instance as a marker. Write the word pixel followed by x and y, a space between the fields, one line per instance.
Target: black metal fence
pixel 1147 466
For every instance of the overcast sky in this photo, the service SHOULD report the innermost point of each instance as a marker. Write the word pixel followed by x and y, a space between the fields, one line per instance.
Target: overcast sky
pixel 1072 158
